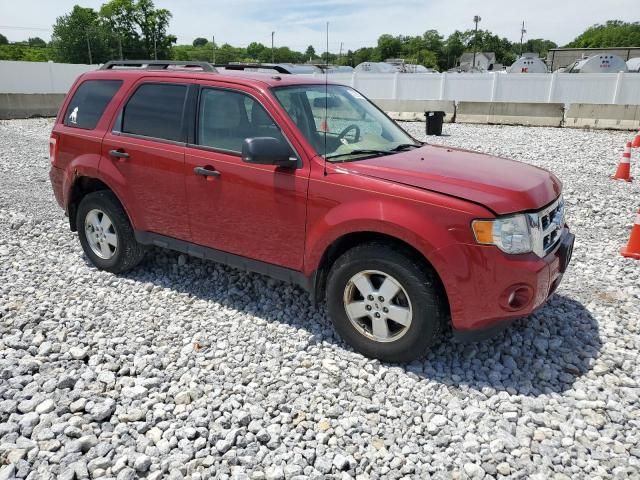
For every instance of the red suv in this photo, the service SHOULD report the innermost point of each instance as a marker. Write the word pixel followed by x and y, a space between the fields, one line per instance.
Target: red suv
pixel 310 183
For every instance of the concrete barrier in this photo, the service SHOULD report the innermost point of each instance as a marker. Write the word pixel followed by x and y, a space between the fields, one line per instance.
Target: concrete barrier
pixel 27 105
pixel 507 113
pixel 616 117
pixel 413 110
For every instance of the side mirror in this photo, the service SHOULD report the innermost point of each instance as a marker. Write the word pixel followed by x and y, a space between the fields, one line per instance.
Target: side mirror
pixel 268 151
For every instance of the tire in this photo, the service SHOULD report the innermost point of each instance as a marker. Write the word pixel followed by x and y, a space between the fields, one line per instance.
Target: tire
pixel 418 292
pixel 101 221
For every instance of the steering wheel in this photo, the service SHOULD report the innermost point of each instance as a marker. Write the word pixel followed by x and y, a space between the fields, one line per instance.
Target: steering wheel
pixel 343 133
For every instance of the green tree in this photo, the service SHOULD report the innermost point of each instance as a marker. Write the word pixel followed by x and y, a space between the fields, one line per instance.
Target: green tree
pixel 614 33
pixel 153 24
pixel 310 53
pixel 20 51
pixel 256 50
pixel 36 42
pixel 286 55
pixel 79 37
pixel 433 41
pixel 228 53
pixel 119 17
pixel 365 54
pixel 454 47
pixel 136 28
pixel 388 47
pixel 3 40
pixel 539 46
pixel 200 42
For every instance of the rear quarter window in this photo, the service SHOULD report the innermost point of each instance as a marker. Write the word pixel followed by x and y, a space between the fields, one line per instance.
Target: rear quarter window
pixel 89 103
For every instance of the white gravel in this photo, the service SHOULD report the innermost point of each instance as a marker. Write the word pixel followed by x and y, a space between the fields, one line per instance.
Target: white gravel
pixel 187 369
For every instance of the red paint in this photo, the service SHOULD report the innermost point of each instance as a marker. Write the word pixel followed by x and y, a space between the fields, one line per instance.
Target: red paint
pixel 426 197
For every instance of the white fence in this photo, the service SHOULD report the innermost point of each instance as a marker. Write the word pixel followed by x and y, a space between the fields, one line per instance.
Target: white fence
pixel 600 88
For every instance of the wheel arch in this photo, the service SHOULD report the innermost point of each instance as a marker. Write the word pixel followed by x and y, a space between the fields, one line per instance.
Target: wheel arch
pixel 80 188
pixel 350 240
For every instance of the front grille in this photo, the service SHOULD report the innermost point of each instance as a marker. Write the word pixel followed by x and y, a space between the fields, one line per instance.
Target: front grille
pixel 546 227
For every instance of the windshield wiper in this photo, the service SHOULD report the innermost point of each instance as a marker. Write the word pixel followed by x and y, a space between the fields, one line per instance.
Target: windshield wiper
pixel 404 146
pixel 361 152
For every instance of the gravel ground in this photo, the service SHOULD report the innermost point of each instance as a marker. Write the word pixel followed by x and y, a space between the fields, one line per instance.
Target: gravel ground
pixel 99 376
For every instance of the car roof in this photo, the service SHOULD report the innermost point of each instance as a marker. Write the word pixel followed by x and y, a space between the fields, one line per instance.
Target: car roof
pixel 263 79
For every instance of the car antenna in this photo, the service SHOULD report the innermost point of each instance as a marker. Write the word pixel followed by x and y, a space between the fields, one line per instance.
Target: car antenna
pixel 325 123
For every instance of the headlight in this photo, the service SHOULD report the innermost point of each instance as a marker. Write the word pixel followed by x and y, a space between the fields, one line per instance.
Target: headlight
pixel 509 234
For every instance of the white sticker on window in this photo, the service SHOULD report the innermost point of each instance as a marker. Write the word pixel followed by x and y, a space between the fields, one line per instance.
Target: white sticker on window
pixel 73 118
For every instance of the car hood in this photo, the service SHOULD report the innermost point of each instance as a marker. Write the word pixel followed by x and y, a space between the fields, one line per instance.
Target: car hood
pixel 504 186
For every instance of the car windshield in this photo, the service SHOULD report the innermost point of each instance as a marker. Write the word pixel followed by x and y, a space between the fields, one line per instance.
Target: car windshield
pixel 340 123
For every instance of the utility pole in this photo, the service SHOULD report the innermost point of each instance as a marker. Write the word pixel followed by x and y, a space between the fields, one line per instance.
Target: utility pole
pixel 86 32
pixel 522 32
pixel 340 55
pixel 476 19
pixel 272 51
pixel 120 46
pixel 155 46
pixel 213 45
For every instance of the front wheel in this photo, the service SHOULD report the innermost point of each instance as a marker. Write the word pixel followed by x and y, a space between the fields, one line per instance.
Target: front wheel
pixel 384 303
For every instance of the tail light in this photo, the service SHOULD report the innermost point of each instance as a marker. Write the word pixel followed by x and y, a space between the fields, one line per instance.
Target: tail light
pixel 53 148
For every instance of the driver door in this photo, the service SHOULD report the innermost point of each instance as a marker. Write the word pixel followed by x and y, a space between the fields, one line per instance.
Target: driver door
pixel 256 211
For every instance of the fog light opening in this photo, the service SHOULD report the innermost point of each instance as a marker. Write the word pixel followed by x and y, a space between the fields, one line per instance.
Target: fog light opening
pixel 517 297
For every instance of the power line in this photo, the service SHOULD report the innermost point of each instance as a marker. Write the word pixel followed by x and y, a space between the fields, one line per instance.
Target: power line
pixel 11 27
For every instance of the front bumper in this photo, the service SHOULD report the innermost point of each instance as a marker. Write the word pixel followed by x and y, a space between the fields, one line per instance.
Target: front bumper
pixel 480 281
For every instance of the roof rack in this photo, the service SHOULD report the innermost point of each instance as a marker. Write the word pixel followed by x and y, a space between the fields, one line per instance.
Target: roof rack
pixel 246 66
pixel 157 64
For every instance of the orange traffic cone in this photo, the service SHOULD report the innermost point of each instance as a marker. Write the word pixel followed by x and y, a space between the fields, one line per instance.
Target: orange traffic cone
pixel 324 125
pixel 632 250
pixel 624 167
pixel 636 140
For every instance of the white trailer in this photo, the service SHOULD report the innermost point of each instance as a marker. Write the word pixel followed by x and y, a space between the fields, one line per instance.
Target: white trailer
pixel 528 64
pixel 633 65
pixel 603 63
pixel 376 67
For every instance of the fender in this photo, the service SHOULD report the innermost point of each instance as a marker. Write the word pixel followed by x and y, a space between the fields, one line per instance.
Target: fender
pixel 93 174
pixel 85 165
pixel 427 221
pixel 368 215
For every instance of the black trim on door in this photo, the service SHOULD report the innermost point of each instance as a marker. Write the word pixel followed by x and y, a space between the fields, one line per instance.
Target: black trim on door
pixel 190 113
pixel 236 261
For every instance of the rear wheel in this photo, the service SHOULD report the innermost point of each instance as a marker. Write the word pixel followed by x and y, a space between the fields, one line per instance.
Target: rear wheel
pixel 385 304
pixel 105 233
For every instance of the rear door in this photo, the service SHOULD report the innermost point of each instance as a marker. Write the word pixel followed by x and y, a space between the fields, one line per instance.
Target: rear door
pixel 256 211
pixel 144 155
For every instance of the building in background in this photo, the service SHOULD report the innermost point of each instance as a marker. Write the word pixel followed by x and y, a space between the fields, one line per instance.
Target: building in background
pixel 484 61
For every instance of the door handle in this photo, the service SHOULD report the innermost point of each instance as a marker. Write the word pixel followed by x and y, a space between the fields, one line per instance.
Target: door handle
pixel 118 154
pixel 206 172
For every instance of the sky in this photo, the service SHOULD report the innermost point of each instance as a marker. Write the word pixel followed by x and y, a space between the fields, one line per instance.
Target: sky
pixel 352 23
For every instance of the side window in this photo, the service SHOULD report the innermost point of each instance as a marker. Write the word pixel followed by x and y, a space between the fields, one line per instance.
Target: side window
pixel 226 118
pixel 155 110
pixel 89 103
